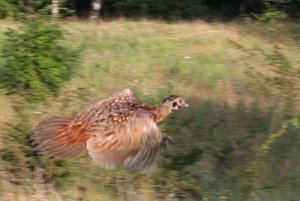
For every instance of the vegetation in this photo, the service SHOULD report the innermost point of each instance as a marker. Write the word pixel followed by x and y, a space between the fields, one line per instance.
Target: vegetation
pixel 266 10
pixel 36 61
pixel 238 141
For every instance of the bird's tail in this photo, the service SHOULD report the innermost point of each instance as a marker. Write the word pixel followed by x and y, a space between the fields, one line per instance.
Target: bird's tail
pixel 55 138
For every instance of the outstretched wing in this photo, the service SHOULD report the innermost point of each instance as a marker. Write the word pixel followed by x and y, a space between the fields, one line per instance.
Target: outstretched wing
pixel 131 144
pixel 94 118
pixel 62 137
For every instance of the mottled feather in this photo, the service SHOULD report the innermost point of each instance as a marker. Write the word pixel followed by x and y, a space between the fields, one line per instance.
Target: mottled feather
pixel 118 131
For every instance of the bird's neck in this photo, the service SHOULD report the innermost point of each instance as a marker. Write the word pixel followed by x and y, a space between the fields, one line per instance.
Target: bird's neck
pixel 160 112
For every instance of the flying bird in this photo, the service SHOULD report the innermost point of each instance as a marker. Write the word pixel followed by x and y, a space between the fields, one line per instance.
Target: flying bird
pixel 119 131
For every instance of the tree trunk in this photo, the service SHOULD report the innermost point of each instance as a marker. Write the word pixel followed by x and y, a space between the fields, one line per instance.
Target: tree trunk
pixel 96 7
pixel 55 8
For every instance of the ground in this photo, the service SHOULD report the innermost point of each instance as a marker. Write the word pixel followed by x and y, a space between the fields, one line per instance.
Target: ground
pixel 218 67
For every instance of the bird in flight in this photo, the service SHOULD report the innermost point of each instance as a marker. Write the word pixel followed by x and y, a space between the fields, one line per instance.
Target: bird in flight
pixel 119 131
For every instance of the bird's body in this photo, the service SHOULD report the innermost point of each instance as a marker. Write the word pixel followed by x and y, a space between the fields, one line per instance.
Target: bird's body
pixel 119 131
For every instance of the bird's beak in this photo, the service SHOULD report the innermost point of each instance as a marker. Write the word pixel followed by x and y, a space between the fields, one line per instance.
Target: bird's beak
pixel 186 105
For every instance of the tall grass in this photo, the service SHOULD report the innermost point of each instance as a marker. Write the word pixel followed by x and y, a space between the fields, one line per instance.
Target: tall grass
pixel 232 113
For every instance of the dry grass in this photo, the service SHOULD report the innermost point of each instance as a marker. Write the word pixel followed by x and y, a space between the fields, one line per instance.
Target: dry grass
pixel 198 60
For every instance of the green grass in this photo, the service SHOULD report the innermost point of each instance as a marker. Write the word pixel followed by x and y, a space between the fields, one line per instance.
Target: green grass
pixel 206 63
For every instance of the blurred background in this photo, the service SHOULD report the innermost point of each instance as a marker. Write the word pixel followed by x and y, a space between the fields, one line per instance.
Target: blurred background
pixel 236 62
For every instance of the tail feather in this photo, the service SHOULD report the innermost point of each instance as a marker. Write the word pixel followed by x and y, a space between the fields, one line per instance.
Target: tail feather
pixel 55 139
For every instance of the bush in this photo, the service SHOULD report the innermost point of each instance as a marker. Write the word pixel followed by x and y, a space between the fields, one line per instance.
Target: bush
pixel 6 9
pixel 36 62
pixel 272 15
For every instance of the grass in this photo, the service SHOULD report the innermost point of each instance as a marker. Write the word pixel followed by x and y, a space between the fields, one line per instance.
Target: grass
pixel 207 63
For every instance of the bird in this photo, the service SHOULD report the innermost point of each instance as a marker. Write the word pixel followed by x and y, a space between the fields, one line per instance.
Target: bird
pixel 118 132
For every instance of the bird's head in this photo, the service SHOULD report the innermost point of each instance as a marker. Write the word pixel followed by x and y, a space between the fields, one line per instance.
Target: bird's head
pixel 174 103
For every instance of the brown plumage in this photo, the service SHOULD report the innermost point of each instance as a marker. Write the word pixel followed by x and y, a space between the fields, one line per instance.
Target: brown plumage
pixel 119 131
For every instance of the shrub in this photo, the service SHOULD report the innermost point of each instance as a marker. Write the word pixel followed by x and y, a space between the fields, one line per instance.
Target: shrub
pixel 6 9
pixel 272 15
pixel 36 61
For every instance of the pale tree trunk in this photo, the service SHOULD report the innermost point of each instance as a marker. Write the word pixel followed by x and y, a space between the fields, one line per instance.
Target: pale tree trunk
pixel 55 8
pixel 96 7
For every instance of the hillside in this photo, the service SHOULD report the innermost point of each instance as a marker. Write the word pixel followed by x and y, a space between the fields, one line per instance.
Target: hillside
pixel 239 140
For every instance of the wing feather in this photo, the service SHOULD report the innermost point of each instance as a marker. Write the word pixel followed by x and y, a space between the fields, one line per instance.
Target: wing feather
pixel 132 144
pixel 101 108
pixel 62 137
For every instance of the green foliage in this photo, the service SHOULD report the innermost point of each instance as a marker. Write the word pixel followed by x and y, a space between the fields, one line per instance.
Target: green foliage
pixel 272 15
pixel 17 156
pixel 267 145
pixel 295 122
pixel 217 140
pixel 277 10
pixel 19 9
pixel 211 164
pixel 36 61
pixel 266 10
pixel 6 9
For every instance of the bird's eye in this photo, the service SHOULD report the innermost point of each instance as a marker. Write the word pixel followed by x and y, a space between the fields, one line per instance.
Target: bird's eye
pixel 174 104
